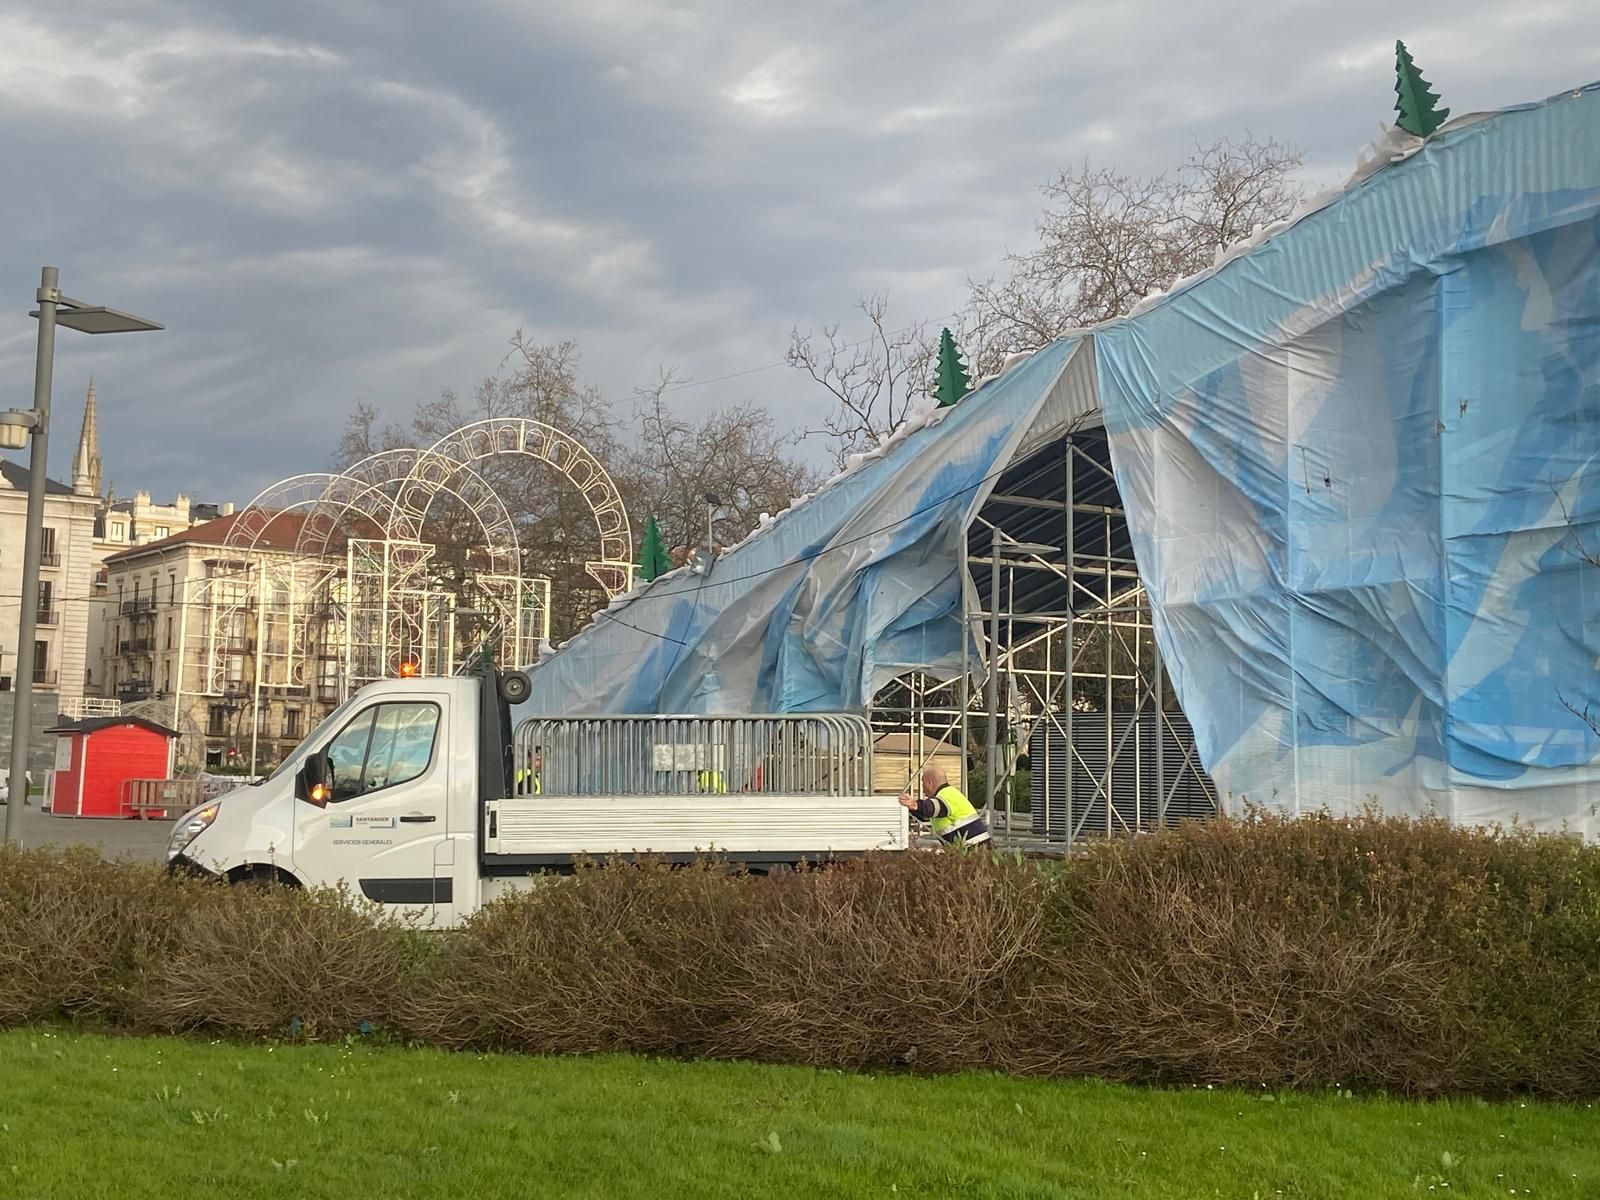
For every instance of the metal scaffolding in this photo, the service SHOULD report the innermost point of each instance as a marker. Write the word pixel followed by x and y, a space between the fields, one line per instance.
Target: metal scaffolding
pixel 1076 717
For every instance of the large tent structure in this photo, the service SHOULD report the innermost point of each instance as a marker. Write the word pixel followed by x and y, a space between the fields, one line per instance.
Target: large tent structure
pixel 1335 497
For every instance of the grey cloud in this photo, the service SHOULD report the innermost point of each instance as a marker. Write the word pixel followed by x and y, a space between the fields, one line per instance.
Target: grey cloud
pixel 328 203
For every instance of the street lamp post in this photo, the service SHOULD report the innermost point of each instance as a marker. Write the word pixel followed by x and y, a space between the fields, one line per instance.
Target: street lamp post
pixel 701 564
pixel 15 425
pixel 713 502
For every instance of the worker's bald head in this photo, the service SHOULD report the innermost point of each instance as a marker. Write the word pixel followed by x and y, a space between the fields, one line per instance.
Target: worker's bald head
pixel 934 778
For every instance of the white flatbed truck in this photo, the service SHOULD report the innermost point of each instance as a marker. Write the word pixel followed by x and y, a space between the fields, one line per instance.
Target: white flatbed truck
pixel 417 794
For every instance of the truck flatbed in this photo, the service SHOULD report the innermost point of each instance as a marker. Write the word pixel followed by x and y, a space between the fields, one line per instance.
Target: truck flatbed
pixel 776 825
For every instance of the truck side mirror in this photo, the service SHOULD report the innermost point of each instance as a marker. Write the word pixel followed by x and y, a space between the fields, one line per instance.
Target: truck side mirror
pixel 313 783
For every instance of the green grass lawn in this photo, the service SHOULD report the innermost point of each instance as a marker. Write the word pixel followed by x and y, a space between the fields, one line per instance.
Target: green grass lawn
pixel 86 1116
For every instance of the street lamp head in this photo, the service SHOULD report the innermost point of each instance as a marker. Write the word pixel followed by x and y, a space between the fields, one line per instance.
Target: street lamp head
pixel 99 319
pixel 15 426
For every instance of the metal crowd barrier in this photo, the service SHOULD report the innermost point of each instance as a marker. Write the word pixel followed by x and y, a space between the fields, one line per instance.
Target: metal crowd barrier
pixel 160 798
pixel 819 754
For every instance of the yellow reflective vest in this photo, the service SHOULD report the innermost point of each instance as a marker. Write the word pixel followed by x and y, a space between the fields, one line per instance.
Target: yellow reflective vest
pixel 955 819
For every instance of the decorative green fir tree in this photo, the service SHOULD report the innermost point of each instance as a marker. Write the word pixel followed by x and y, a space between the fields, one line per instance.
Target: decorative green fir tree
pixel 1416 106
pixel 952 381
pixel 653 559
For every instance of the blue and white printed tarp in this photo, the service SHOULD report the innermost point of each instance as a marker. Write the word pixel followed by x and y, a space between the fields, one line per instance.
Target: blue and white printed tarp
pixel 826 603
pixel 1359 465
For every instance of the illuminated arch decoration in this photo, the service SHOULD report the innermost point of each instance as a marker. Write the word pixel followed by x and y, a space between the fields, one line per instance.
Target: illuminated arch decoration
pixel 468 448
pixel 326 580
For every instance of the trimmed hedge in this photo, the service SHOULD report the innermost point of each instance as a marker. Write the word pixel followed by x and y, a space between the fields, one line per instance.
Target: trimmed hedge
pixel 1375 954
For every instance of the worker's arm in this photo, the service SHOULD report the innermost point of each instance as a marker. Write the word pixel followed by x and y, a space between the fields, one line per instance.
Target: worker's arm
pixel 924 808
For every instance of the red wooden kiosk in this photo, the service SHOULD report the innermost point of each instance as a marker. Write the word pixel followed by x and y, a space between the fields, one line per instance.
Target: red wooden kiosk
pixel 97 756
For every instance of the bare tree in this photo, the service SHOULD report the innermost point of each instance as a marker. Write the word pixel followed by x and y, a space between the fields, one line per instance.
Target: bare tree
pixel 1107 239
pixel 363 436
pixel 873 380
pixel 734 453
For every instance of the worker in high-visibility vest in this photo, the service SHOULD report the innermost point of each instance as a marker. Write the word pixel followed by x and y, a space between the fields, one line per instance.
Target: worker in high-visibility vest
pixel 528 782
pixel 950 815
pixel 711 781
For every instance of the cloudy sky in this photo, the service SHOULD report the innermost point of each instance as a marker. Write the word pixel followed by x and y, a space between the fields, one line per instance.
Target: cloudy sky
pixel 332 202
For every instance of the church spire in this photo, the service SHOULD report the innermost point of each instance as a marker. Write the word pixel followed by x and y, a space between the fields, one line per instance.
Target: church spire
pixel 86 466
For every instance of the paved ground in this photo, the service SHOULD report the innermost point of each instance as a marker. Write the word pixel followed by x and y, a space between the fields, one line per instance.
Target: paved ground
pixel 115 839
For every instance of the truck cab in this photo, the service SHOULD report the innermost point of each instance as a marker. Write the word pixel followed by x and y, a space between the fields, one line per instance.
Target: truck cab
pixel 418 795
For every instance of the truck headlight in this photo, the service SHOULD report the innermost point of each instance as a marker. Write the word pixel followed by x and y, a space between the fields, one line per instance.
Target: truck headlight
pixel 190 826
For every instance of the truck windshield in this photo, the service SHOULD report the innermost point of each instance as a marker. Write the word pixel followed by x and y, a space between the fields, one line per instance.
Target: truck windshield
pixel 292 763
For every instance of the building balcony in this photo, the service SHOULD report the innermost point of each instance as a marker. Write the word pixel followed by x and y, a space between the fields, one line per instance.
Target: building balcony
pixel 48 679
pixel 50 617
pixel 137 646
pixel 139 604
pixel 50 558
pixel 134 689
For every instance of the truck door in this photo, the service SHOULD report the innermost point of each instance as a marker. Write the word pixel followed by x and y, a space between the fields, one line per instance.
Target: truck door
pixel 381 831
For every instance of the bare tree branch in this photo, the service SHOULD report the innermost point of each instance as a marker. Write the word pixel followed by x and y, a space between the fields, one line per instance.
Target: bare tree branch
pixel 734 453
pixel 873 380
pixel 1107 239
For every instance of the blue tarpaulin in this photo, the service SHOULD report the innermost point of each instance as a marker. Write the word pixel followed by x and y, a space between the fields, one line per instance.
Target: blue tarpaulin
pixel 1359 465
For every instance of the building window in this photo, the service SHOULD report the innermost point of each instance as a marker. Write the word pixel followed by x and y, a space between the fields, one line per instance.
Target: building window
pixel 119 532
pixel 47 612
pixel 163 530
pixel 217 720
pixel 169 634
pixel 291 723
pixel 47 548
pixel 41 663
pixel 172 587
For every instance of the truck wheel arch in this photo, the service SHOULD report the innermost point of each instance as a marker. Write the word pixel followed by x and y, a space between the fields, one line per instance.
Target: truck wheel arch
pixel 262 875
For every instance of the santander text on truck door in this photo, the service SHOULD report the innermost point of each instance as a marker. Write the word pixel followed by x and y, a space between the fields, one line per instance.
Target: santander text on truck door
pixel 381 821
